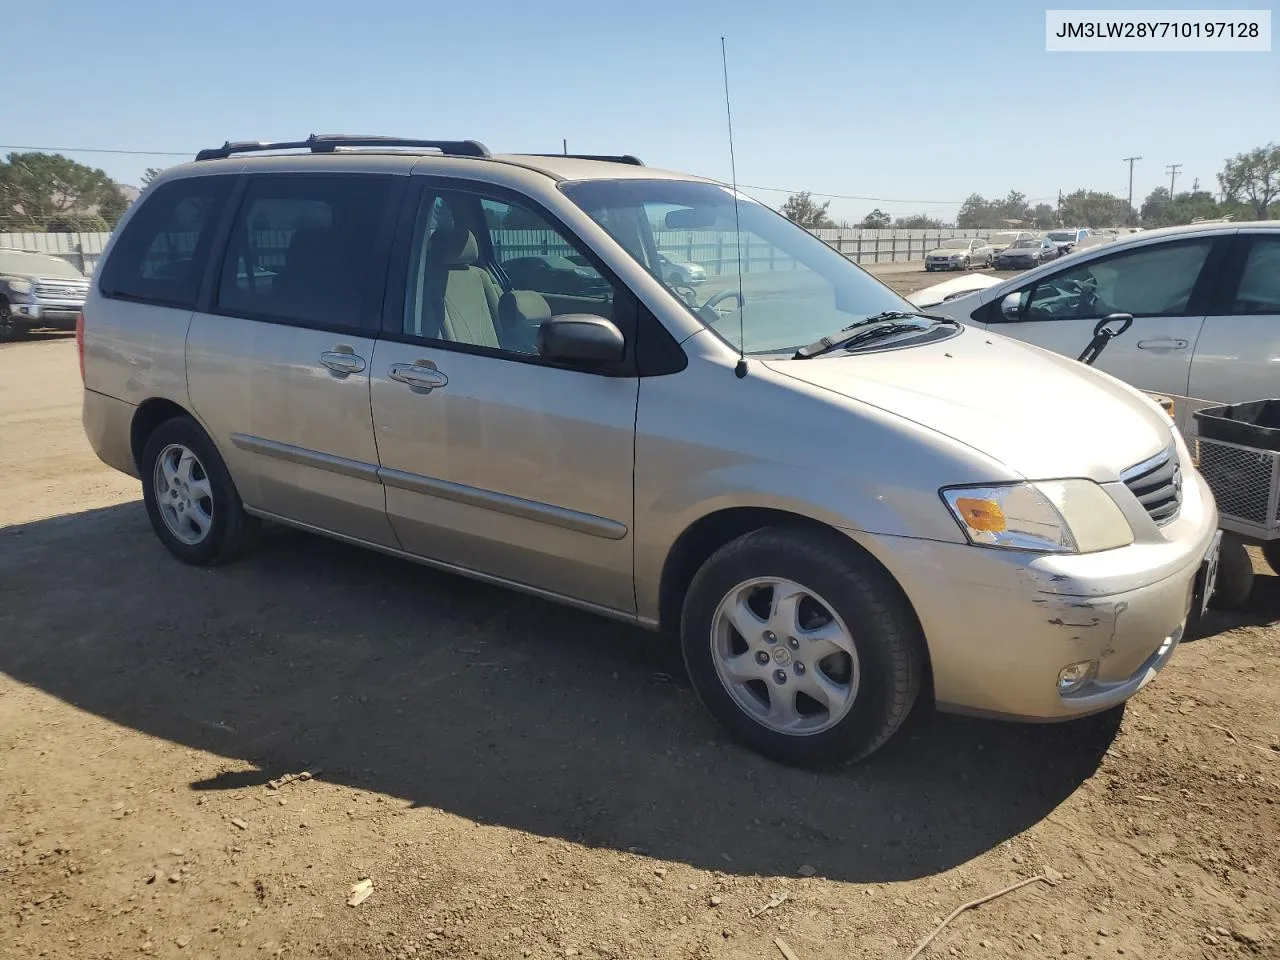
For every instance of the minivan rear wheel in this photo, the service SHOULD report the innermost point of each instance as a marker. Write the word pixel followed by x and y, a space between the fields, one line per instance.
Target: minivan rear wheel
pixel 800 647
pixel 191 500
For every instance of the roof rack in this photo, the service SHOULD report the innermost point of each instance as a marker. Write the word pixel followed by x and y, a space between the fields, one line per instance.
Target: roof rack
pixel 622 158
pixel 330 142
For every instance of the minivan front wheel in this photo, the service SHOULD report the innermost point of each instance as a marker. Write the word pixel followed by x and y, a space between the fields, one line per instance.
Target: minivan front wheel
pixel 800 647
pixel 191 500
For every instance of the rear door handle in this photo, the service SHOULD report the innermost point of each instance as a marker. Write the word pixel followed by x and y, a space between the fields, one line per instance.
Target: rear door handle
pixel 1163 343
pixel 421 374
pixel 342 362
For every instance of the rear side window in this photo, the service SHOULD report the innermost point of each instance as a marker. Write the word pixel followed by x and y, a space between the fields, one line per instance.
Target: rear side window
pixel 303 250
pixel 1259 290
pixel 161 255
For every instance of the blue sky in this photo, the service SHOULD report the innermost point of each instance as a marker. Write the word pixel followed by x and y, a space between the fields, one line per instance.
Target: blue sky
pixel 922 103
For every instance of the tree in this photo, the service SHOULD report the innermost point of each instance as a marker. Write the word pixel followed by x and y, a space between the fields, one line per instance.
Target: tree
pixel 1253 178
pixel 150 174
pixel 877 219
pixel 1158 210
pixel 974 213
pixel 978 213
pixel 918 221
pixel 804 211
pixel 1089 208
pixel 1044 217
pixel 38 190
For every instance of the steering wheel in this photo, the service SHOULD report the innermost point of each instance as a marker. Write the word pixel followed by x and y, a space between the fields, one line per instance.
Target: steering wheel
pixel 708 311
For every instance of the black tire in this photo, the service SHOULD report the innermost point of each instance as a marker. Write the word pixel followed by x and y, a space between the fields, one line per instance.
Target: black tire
pixel 231 531
pixel 9 328
pixel 889 643
pixel 1271 550
pixel 1235 575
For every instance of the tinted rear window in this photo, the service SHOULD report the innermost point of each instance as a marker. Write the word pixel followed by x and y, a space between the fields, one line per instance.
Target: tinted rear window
pixel 161 255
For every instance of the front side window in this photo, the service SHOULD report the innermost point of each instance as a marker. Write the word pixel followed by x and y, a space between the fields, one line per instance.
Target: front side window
pixel 1259 289
pixel 1147 282
pixel 302 250
pixel 160 257
pixel 487 272
pixel 767 288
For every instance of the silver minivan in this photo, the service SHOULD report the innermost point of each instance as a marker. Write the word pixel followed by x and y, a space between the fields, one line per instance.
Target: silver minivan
pixel 834 502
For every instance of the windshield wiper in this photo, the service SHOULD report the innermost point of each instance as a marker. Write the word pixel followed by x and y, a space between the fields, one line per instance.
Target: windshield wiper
pixel 886 328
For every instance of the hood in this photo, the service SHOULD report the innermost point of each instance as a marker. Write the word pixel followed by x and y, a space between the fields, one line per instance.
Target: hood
pixel 946 252
pixel 1020 252
pixel 1041 415
pixel 959 286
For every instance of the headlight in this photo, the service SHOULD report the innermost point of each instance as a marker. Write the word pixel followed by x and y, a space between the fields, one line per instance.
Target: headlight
pixel 23 287
pixel 1051 516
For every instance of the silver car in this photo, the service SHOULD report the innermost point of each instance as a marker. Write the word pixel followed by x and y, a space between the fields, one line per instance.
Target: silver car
pixel 833 502
pixel 38 291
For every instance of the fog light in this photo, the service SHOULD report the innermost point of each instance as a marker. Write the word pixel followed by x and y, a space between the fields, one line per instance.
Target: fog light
pixel 1074 676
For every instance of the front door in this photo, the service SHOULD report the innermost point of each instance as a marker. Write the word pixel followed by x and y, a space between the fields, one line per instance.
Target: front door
pixel 1164 287
pixel 494 460
pixel 278 367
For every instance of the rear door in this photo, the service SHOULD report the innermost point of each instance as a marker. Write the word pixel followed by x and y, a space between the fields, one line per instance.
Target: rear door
pixel 1166 288
pixel 278 360
pixel 1237 357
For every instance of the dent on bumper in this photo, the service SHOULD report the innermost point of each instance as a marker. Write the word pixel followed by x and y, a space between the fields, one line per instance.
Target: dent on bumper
pixel 999 631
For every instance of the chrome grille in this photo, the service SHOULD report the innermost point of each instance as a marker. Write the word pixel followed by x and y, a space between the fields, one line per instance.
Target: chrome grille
pixel 1157 483
pixel 62 290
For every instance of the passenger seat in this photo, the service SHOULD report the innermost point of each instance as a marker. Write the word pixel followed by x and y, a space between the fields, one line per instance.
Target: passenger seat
pixel 463 304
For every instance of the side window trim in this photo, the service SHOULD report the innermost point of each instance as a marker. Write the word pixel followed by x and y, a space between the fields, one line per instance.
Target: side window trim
pixel 1221 299
pixel 374 282
pixel 218 249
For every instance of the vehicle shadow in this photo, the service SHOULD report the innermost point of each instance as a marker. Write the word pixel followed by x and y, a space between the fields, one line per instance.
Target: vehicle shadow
pixel 494 706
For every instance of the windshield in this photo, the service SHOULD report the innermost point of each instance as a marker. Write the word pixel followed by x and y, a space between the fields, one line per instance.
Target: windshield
pixel 956 245
pixel 1062 234
pixel 1024 244
pixel 19 264
pixel 794 288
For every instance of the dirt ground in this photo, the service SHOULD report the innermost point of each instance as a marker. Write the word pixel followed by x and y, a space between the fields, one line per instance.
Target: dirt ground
pixel 521 780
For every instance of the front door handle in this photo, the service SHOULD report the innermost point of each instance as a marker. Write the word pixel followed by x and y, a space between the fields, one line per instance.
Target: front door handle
pixel 342 361
pixel 1163 343
pixel 421 375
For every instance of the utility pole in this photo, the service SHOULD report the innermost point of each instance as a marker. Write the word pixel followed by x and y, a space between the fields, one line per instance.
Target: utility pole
pixel 1059 206
pixel 1172 169
pixel 1131 161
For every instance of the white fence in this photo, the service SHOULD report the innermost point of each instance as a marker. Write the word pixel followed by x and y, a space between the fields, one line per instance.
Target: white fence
pixel 713 250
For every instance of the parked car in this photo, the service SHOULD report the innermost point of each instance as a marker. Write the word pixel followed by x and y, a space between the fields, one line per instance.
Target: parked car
pixel 679 463
pixel 37 290
pixel 677 271
pixel 1065 240
pixel 960 286
pixel 1205 299
pixel 1002 241
pixel 962 253
pixel 1030 252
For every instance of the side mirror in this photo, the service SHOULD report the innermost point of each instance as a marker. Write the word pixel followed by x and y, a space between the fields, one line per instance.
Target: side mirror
pixel 1011 306
pixel 581 338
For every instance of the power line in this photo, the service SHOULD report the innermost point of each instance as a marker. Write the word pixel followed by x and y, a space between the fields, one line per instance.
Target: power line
pixel 749 186
pixel 134 153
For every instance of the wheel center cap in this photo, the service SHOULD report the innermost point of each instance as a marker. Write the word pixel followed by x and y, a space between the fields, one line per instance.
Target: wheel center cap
pixel 781 656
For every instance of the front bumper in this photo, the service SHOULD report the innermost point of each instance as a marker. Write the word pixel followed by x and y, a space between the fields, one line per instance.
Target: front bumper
pixel 48 313
pixel 1000 625
pixel 1005 263
pixel 944 264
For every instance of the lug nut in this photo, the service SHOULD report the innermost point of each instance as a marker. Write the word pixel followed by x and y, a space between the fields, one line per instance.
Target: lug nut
pixel 799 669
pixel 779 676
pixel 793 643
pixel 770 637
pixel 761 657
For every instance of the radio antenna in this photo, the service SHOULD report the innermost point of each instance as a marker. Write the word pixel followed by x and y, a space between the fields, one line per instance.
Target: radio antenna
pixel 740 370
